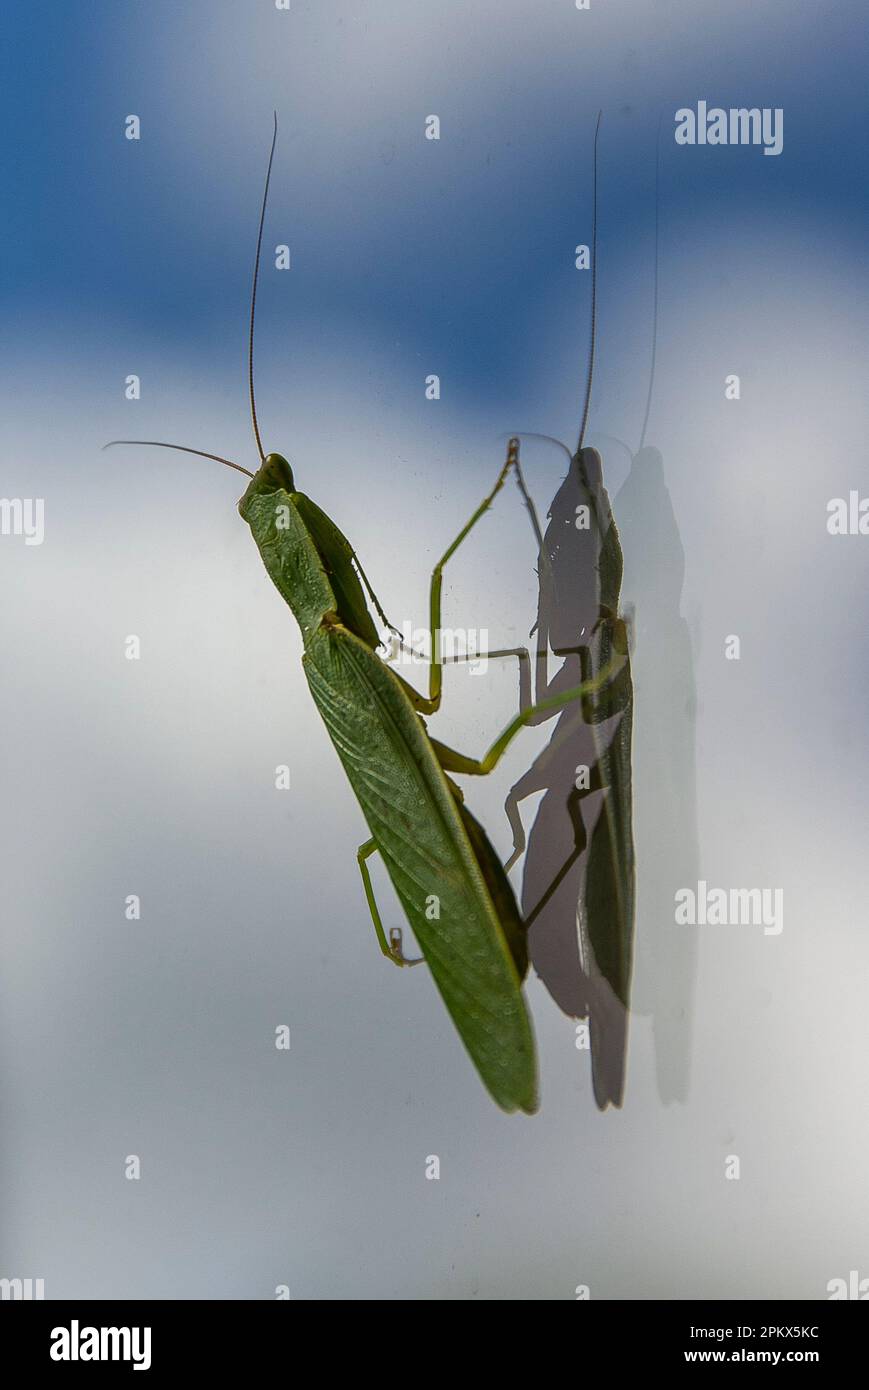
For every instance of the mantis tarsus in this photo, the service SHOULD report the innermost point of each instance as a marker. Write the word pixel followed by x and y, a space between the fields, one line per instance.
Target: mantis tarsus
pixel 449 880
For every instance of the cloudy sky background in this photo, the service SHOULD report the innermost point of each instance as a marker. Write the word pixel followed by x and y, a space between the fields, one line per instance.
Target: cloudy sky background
pixel 156 777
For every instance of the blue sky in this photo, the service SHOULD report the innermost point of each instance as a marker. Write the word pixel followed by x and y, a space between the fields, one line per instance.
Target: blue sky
pixel 447 249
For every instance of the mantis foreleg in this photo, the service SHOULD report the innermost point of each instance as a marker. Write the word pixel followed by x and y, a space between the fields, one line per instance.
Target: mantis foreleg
pixel 431 703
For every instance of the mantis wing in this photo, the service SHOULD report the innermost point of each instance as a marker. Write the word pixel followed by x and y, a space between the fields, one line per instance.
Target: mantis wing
pixel 420 832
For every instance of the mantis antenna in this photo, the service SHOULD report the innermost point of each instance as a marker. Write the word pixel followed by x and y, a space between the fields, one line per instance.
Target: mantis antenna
pixel 161 444
pixel 259 243
pixel 587 402
pixel 547 438
pixel 655 293
pixel 218 458
pixel 593 291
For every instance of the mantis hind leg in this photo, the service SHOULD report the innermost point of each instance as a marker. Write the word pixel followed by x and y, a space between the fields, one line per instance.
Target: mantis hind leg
pixel 391 948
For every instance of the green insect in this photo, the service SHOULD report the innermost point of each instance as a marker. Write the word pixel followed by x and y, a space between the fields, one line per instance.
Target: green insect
pixel 448 878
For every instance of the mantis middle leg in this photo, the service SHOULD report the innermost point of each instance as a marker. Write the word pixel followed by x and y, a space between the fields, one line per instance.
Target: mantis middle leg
pixel 391 948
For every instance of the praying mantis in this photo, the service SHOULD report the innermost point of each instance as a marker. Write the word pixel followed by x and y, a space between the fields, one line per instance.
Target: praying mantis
pixel 452 887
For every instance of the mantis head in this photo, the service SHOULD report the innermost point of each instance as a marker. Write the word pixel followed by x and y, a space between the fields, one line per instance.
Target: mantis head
pixel 273 475
pixel 274 472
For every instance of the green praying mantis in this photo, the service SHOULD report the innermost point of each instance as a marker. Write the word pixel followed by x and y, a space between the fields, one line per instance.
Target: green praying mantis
pixel 448 878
